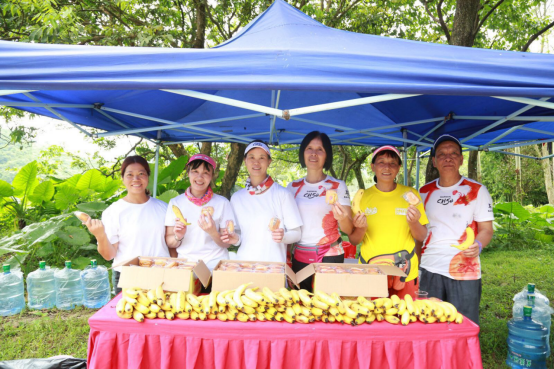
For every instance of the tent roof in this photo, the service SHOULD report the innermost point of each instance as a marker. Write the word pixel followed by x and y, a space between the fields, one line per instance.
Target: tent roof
pixel 285 60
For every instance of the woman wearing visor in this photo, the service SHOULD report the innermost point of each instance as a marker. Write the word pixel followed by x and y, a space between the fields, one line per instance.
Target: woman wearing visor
pixel 324 205
pixel 266 213
pixel 388 224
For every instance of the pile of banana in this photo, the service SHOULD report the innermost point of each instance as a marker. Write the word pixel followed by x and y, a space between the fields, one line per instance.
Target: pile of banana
pixel 246 304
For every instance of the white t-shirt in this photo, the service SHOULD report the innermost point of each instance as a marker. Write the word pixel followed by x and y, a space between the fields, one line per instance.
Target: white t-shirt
pixel 319 225
pixel 253 214
pixel 450 211
pixel 197 244
pixel 139 229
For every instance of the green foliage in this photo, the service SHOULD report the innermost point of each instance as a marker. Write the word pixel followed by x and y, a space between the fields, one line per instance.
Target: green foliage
pixel 518 227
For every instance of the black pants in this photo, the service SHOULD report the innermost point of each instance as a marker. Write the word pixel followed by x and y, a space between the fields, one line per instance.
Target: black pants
pixel 464 295
pixel 308 282
pixel 115 281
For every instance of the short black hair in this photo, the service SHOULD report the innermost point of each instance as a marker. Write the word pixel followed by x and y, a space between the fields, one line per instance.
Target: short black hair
pixel 251 142
pixel 326 146
pixel 197 163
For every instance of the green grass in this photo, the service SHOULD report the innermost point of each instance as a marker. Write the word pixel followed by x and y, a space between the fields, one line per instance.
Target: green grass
pixel 36 334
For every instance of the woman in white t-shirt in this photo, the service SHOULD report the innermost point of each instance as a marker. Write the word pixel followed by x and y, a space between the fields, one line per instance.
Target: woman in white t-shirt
pixel 324 205
pixel 207 214
pixel 134 225
pixel 258 204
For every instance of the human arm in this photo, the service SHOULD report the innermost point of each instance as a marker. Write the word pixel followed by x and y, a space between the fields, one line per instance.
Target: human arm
pixel 485 232
pixel 342 215
pixel 174 234
pixel 105 247
pixel 418 230
pixel 290 236
pixel 359 229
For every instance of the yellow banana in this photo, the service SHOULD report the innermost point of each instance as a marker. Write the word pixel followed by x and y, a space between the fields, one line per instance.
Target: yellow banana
pixel 151 295
pixel 319 304
pixel 142 299
pixel 179 215
pixel 151 315
pixel 138 316
pixel 173 300
pixel 261 309
pixel 252 317
pixel 305 298
pixel 193 301
pixel 302 319
pixel 238 293
pixel 430 320
pixel 395 301
pixel 297 309
pixel 340 306
pixel 413 318
pixel 380 317
pixel 212 316
pixel 289 319
pixel 201 316
pixel 391 311
pixel 160 295
pixel 360 309
pixel 169 315
pixel 470 240
pixel 125 315
pixel 248 302
pixel 334 311
pixel 248 310
pixel 280 299
pixel 332 318
pixel 295 296
pixel 459 318
pixel 161 314
pixel 409 303
pixel 370 318
pixel 356 200
pixel 316 311
pixel 392 319
pixel 322 296
pixel 272 311
pixel 143 309
pixel 130 300
pixel 366 303
pixel 405 319
pixel 402 307
pixel 442 319
pixel 359 320
pixel 183 316
pixel 131 292
pixel 222 317
pixel 387 304
pixel 206 306
pixel 194 316
pixel 166 306
pixel 280 308
pixel 120 306
pixel 340 318
pixel 261 317
pixel 347 319
pixel 270 295
pixel 450 311
pixel 188 307
pixel 350 313
pixel 230 316
pixel 279 317
pixel 180 302
pixel 254 296
pixel 213 299
pixel 269 316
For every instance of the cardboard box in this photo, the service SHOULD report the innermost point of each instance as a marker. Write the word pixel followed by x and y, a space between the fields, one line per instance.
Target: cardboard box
pixel 173 279
pixel 346 284
pixel 230 280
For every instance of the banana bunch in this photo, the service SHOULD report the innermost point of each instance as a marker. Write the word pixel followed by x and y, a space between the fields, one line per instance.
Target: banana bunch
pixel 248 304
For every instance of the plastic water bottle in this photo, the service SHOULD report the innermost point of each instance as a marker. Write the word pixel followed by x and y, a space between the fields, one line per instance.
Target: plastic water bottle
pixel 526 342
pixel 96 284
pixel 41 288
pixel 12 298
pixel 69 288
pixel 541 311
pixel 522 295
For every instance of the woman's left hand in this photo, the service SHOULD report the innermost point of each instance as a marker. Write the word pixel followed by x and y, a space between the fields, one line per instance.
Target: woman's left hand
pixel 228 238
pixel 412 215
pixel 339 212
pixel 207 224
pixel 278 235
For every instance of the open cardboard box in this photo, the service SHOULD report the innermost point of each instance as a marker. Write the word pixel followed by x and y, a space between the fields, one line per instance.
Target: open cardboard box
pixel 346 284
pixel 173 279
pixel 230 280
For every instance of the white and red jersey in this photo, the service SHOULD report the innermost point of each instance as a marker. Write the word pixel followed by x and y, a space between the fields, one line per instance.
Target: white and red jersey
pixel 450 211
pixel 319 225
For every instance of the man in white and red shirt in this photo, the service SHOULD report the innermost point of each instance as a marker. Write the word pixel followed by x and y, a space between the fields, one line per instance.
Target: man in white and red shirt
pixel 453 203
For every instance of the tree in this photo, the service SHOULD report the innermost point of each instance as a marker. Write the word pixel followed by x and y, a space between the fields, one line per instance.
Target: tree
pixel 510 24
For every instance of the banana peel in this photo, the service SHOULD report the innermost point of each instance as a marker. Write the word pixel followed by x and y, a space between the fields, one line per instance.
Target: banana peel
pixel 179 215
pixel 470 240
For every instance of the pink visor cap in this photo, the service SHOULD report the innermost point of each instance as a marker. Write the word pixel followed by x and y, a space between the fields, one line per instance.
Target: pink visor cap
pixel 387 148
pixel 203 157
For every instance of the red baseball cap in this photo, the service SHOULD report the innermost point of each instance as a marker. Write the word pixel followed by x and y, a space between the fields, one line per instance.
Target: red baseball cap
pixel 386 148
pixel 203 157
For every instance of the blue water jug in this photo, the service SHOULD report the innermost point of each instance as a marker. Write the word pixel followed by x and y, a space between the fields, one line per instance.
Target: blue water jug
pixel 12 298
pixel 526 342
pixel 41 288
pixel 69 288
pixel 96 285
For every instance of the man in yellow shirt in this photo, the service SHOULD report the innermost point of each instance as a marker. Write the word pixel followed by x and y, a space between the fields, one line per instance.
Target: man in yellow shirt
pixel 388 224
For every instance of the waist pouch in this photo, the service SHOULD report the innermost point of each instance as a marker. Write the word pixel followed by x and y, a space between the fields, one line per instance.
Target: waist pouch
pixel 401 259
pixel 311 254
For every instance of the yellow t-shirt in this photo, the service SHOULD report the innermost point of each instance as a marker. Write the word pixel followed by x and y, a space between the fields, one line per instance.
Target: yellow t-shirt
pixel 388 232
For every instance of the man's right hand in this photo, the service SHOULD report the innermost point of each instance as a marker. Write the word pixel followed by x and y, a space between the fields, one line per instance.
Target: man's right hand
pixel 180 229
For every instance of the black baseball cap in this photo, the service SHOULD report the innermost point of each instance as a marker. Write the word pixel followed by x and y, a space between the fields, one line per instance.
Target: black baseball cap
pixel 442 139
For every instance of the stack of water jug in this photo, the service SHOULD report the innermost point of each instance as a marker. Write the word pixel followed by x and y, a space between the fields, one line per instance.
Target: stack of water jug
pixel 529 330
pixel 46 288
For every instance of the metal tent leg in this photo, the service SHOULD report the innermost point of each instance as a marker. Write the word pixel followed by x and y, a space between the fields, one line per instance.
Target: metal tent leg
pixel 156 165
pixel 405 156
pixel 418 163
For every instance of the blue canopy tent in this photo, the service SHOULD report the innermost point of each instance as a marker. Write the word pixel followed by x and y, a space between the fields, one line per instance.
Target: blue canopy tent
pixel 283 76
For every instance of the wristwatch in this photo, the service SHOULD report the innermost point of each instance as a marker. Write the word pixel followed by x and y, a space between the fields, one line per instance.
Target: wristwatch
pixel 480 246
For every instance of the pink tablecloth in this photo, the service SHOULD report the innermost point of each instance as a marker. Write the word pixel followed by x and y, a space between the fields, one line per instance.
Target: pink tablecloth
pixel 119 343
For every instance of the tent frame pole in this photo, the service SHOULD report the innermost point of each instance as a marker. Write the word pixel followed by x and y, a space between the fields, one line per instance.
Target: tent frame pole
pixel 156 166
pixel 525 100
pixel 501 121
pixel 14 92
pixel 418 164
pixel 62 117
pixel 405 156
pixel 121 124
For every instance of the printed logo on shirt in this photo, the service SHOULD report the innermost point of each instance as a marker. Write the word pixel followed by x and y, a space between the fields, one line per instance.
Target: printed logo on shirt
pixel 445 200
pixel 400 211
pixel 370 211
pixel 490 208
pixel 311 194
